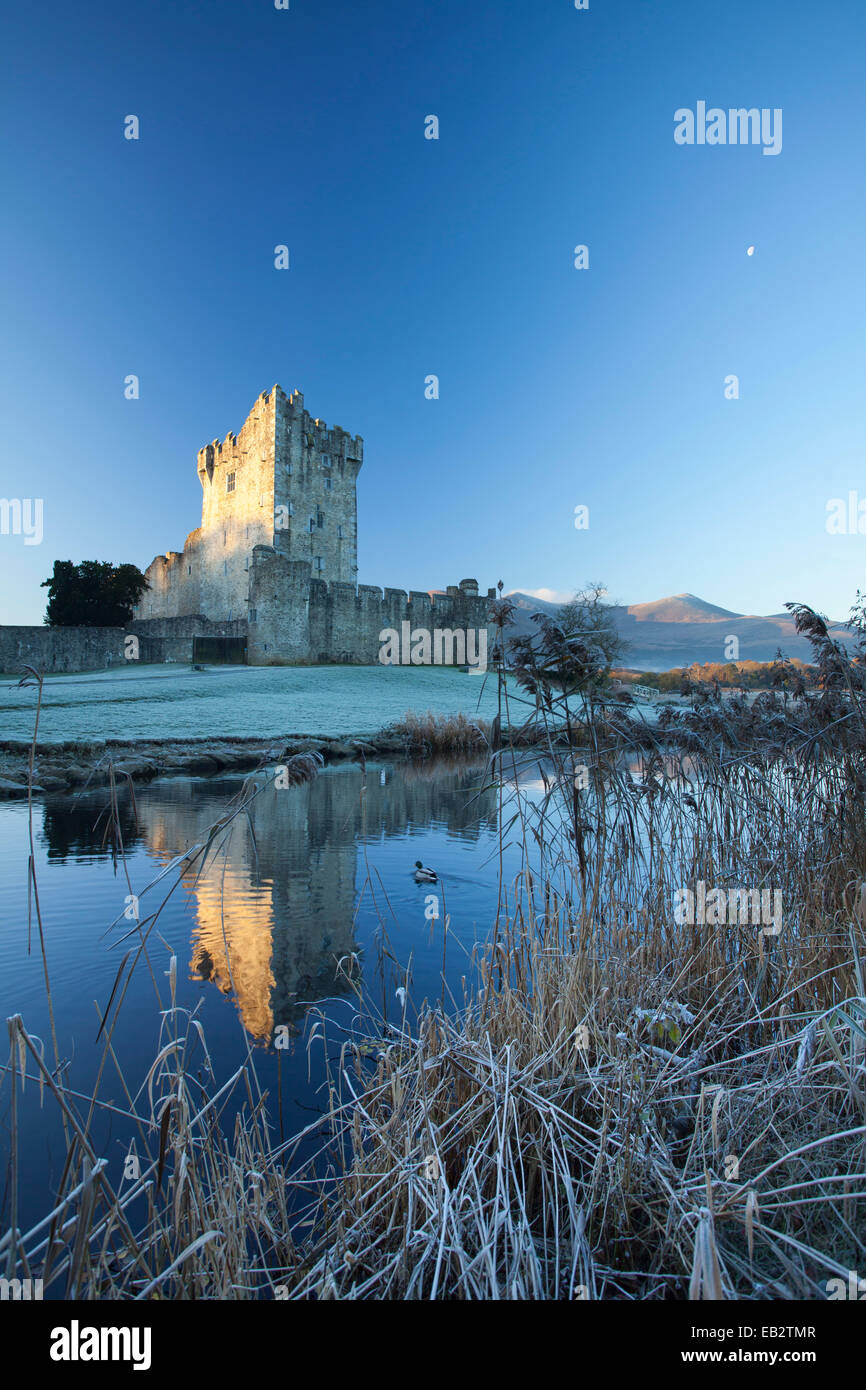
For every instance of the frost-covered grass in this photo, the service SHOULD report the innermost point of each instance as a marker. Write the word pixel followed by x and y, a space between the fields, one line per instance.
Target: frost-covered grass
pixel 176 702
pixel 620 1106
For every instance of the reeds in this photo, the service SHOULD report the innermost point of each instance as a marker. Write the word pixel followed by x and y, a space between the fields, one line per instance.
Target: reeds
pixel 426 735
pixel 618 1106
pixel 625 1107
pixel 586 1133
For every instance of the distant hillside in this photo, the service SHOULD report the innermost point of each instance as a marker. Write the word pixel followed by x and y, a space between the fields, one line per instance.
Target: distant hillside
pixel 678 630
pixel 533 605
pixel 681 608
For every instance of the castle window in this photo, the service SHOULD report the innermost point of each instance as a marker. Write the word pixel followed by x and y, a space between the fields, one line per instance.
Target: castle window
pixel 320 519
pixel 312 523
pixel 339 533
pixel 326 460
pixel 189 569
pixel 320 564
pixel 230 482
pixel 328 484
pixel 252 615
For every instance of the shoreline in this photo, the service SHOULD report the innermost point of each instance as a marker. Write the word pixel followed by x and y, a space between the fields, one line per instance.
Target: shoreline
pixel 77 764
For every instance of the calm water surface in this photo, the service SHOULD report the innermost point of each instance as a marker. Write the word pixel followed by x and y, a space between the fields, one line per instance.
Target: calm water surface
pixel 312 875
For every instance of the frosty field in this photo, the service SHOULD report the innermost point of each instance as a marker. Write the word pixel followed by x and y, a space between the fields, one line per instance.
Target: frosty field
pixel 166 702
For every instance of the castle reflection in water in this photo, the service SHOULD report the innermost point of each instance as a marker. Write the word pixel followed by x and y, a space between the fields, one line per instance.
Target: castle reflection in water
pixel 274 910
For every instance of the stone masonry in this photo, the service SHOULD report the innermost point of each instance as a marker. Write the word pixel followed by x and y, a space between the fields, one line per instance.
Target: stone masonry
pixel 275 557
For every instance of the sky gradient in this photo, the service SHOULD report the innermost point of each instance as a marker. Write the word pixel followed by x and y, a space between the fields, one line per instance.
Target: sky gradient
pixel 558 387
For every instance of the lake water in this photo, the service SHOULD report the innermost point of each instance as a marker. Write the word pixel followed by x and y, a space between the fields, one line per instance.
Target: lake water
pixel 255 701
pixel 314 874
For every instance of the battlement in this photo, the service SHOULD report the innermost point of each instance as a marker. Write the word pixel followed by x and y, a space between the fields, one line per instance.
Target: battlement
pixel 317 434
pixel 276 552
pixel 295 618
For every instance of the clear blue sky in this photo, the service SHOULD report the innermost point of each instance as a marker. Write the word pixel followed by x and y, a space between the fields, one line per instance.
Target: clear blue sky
pixel 409 257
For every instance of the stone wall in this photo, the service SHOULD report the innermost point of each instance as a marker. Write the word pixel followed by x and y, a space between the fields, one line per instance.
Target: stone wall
pixel 295 618
pixel 60 648
pixel 171 639
pixel 55 649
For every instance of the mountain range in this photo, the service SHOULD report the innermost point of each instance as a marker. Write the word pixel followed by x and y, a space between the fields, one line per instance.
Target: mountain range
pixel 682 629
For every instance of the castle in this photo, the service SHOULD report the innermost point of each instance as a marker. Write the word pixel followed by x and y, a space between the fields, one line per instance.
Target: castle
pixel 270 576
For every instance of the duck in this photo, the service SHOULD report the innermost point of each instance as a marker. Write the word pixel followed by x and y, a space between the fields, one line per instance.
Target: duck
pixel 423 875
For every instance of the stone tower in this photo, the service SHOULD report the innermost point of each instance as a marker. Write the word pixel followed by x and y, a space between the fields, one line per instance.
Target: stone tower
pixel 286 481
pixel 315 490
pixel 271 575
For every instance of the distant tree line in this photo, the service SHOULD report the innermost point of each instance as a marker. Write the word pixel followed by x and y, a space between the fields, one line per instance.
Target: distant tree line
pixel 732 675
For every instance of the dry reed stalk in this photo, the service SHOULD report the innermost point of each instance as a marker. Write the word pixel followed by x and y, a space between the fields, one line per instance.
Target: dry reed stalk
pixel 567 1131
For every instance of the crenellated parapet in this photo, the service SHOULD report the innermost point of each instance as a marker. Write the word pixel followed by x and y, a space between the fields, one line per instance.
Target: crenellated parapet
pixel 315 433
pixel 276 551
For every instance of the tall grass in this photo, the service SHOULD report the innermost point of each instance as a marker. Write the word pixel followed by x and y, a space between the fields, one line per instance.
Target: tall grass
pixel 425 735
pixel 617 1106
pixel 625 1107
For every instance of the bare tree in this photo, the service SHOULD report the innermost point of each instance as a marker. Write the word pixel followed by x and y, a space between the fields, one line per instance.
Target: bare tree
pixel 588 617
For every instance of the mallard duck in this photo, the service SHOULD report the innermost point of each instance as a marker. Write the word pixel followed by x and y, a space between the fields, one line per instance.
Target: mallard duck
pixel 423 875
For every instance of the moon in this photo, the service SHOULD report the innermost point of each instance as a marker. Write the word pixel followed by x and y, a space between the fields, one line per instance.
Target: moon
pixel 750 251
